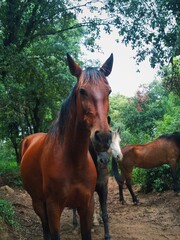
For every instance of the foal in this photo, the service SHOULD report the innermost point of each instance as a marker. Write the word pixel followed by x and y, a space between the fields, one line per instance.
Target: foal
pixel 101 161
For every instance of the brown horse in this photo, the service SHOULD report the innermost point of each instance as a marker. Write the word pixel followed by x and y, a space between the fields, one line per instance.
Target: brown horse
pixel 163 150
pixel 56 168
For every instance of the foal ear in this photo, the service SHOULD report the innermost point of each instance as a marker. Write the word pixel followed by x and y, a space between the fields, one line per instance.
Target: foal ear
pixel 73 66
pixel 118 130
pixel 107 66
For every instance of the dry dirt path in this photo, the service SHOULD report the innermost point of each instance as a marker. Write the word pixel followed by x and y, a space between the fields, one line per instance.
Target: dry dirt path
pixel 157 217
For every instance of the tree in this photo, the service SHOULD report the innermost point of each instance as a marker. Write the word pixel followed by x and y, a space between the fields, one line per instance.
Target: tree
pixel 170 122
pixel 171 76
pixel 138 115
pixel 34 78
pixel 151 27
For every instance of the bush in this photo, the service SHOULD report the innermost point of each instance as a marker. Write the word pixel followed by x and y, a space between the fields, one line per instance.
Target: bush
pixel 10 173
pixel 138 175
pixel 7 152
pixel 154 180
pixel 157 179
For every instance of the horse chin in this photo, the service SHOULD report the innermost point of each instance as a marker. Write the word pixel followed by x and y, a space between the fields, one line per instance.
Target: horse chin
pixel 118 159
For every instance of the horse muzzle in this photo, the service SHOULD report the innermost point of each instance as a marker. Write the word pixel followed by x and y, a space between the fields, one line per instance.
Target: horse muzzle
pixel 102 141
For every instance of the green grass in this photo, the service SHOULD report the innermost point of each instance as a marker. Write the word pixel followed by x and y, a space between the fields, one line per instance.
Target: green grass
pixel 10 171
pixel 7 213
pixel 8 167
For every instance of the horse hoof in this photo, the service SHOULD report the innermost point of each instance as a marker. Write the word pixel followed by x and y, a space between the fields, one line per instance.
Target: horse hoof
pixel 107 238
pixel 95 223
pixel 136 202
pixel 122 201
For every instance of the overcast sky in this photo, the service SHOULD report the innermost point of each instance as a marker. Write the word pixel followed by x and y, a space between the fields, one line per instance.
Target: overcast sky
pixel 124 78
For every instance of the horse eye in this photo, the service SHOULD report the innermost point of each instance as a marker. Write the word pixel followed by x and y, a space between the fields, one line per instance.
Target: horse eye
pixel 83 92
pixel 110 92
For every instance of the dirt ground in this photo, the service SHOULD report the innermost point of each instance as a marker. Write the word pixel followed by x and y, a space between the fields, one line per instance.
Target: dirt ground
pixel 156 217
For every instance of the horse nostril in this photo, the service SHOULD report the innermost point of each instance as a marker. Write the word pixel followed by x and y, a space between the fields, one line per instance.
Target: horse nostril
pixel 101 160
pixel 97 135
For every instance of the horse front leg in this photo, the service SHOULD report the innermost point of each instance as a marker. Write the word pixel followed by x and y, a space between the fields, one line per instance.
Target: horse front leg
pixel 86 219
pixel 41 211
pixel 54 211
pixel 102 193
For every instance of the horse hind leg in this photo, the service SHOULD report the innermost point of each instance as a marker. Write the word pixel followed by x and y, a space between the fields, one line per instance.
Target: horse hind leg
pixel 121 195
pixel 175 178
pixel 86 220
pixel 129 186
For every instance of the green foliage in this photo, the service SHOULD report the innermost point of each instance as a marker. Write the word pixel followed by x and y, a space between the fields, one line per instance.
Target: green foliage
pixel 170 122
pixel 137 116
pixel 6 152
pixel 171 75
pixel 151 113
pixel 138 175
pixel 151 27
pixel 10 173
pixel 7 213
pixel 157 179
pixel 34 78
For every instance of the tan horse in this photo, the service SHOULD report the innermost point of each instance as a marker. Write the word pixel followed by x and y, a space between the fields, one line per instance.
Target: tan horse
pixel 163 150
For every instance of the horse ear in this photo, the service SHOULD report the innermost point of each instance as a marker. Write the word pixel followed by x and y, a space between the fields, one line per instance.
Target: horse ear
pixel 73 66
pixel 107 66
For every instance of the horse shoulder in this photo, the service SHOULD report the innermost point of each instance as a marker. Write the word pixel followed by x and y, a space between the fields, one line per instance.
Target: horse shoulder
pixel 128 156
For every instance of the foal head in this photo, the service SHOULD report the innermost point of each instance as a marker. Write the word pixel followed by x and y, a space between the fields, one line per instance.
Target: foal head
pixel 92 101
pixel 102 160
pixel 115 145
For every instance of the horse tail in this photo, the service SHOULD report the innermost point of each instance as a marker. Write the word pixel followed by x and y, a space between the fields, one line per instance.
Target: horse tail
pixel 115 171
pixel 20 150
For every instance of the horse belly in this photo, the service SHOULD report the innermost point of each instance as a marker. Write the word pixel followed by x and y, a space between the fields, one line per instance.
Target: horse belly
pixel 152 159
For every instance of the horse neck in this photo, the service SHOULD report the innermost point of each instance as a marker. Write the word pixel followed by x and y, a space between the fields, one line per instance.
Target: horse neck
pixel 93 154
pixel 76 141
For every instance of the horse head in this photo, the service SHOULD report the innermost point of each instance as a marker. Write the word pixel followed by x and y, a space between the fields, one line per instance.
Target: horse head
pixel 92 96
pixel 102 159
pixel 115 148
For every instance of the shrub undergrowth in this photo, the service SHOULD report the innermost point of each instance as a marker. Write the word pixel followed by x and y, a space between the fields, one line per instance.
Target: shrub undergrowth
pixel 7 213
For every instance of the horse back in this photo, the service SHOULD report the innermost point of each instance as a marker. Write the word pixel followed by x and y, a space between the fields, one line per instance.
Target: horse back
pixel 150 155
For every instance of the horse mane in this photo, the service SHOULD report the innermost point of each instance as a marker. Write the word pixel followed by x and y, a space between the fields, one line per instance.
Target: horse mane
pixel 175 136
pixel 61 122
